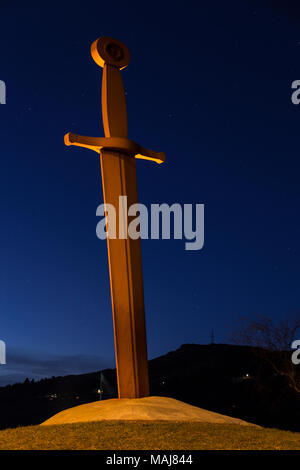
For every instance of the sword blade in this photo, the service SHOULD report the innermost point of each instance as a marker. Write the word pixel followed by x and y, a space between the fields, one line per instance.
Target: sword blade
pixel 126 281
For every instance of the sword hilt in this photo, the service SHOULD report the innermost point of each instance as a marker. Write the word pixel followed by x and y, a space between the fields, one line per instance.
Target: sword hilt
pixel 119 144
pixel 113 56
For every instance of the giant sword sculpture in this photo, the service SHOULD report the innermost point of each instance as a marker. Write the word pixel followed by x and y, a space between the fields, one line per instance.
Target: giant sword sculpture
pixel 118 167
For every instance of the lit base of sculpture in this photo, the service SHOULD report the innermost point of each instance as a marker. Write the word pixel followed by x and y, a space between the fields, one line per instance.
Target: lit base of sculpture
pixel 142 409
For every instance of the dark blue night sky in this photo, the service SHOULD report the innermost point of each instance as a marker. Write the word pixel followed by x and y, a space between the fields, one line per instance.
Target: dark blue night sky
pixel 209 84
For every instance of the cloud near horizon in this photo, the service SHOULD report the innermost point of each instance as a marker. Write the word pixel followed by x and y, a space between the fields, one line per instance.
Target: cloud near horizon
pixel 36 365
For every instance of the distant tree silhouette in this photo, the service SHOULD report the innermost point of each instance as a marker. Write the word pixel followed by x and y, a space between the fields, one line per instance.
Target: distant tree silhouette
pixel 272 342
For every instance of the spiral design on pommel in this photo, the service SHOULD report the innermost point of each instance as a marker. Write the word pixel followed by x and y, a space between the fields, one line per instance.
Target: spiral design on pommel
pixel 110 51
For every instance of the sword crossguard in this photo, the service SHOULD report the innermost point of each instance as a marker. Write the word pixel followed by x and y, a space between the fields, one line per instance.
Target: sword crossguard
pixel 114 144
pixel 113 56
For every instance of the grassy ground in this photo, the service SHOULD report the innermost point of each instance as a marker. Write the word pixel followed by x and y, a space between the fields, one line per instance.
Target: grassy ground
pixel 130 435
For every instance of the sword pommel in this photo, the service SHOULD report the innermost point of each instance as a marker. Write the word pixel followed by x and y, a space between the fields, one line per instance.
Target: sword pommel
pixel 110 51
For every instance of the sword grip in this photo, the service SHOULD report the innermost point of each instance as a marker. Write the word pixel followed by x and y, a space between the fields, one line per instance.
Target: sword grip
pixel 114 113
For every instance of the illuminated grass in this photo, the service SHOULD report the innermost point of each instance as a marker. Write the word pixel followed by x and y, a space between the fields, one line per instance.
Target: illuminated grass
pixel 144 435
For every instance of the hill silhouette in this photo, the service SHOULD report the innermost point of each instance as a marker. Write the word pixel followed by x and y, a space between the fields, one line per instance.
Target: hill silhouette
pixel 227 379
